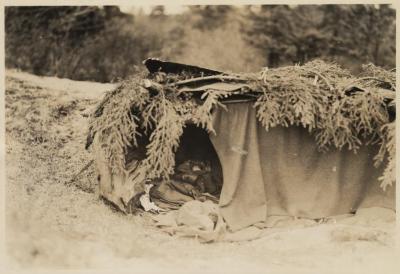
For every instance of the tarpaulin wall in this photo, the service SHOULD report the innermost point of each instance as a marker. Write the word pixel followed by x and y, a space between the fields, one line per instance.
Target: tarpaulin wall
pixel 281 172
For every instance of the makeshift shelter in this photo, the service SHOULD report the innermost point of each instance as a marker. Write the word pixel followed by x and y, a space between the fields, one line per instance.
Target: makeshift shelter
pixel 308 141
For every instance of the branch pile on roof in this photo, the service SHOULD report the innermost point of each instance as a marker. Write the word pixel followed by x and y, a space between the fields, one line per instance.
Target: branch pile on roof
pixel 342 111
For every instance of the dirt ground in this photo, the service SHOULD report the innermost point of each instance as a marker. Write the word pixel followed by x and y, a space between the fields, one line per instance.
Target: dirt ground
pixel 52 223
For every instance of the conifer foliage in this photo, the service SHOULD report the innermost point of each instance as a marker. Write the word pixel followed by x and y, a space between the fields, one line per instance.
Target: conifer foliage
pixel 340 110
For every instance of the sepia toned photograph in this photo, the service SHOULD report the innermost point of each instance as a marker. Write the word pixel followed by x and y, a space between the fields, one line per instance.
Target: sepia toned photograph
pixel 201 138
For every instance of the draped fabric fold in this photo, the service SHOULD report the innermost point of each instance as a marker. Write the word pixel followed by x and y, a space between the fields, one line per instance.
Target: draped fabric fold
pixel 281 172
pixel 238 153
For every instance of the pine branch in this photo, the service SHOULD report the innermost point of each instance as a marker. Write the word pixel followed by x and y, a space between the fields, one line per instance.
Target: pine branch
pixel 320 76
pixel 285 97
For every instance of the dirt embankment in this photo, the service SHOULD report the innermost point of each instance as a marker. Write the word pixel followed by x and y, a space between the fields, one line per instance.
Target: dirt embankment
pixel 53 223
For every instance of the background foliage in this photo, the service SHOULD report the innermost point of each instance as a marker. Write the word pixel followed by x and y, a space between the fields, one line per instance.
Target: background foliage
pixel 104 44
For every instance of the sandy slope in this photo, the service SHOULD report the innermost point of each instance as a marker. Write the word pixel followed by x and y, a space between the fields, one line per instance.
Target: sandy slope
pixel 54 224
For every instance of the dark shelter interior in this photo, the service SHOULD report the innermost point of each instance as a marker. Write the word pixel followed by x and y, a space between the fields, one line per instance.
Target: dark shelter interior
pixel 198 171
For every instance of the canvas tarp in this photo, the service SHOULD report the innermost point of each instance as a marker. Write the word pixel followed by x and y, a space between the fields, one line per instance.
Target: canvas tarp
pixel 282 173
pixel 268 174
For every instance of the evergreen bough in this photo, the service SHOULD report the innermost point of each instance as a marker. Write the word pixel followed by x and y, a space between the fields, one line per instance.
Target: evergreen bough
pixel 339 109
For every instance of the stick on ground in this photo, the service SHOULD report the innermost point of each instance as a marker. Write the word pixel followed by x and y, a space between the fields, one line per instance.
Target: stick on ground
pixel 80 172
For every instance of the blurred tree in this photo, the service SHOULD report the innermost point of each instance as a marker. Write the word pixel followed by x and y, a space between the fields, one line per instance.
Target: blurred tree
pixel 287 34
pixel 209 16
pixel 102 43
pixel 360 34
pixel 212 38
pixel 223 48
pixel 158 12
pixel 83 43
pixel 349 33
pixel 44 35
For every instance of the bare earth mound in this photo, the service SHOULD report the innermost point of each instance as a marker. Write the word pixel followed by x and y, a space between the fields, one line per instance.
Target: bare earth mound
pixel 55 223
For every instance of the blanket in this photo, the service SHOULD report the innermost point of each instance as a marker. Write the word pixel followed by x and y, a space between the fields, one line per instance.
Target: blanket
pixel 282 173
